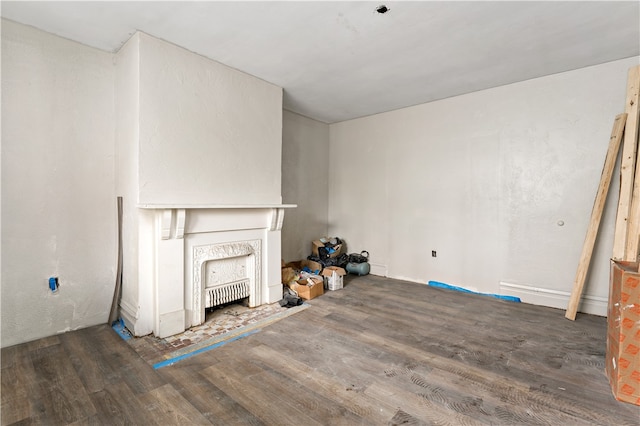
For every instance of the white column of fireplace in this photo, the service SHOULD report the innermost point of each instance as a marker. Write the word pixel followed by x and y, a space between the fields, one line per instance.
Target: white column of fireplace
pixel 199 167
pixel 177 244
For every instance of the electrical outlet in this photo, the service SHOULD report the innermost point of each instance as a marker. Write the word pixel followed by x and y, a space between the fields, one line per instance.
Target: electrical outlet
pixel 53 284
pixel 433 253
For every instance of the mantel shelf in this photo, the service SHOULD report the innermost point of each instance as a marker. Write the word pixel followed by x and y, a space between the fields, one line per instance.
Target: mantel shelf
pixel 217 206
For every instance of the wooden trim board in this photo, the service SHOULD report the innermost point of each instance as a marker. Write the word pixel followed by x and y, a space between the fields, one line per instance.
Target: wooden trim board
pixel 633 223
pixel 627 165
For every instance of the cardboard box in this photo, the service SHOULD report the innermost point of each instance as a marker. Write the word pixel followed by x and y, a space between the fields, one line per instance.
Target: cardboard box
pixel 305 291
pixel 333 277
pixel 299 265
pixel 622 361
pixel 295 265
pixel 314 267
pixel 316 244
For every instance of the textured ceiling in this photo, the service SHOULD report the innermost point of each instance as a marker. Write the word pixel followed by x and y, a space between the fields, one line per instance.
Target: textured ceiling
pixel 341 60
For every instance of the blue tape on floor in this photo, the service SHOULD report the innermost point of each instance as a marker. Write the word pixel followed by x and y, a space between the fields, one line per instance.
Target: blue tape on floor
pixel 119 328
pixel 172 361
pixel 464 290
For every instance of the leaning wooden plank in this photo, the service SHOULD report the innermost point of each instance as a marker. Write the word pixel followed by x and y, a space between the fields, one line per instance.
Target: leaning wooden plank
pixel 633 233
pixel 113 313
pixel 632 252
pixel 596 215
pixel 627 165
pixel 633 224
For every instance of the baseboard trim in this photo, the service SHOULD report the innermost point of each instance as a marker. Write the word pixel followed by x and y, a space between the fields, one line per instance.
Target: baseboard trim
pixel 594 305
pixel 130 316
pixel 128 310
pixel 378 269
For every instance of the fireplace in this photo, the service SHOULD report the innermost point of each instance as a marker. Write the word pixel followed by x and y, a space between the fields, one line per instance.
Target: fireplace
pixel 191 258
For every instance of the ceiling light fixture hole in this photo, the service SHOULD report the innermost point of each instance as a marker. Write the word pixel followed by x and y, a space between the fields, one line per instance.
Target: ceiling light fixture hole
pixel 382 9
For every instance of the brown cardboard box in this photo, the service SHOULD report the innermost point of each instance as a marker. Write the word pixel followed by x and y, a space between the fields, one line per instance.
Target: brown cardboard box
pixel 295 265
pixel 333 277
pixel 314 267
pixel 306 292
pixel 299 265
pixel 622 361
pixel 316 244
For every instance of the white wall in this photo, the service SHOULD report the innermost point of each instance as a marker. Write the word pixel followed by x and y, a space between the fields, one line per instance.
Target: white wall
pixel 59 206
pixel 305 163
pixel 209 134
pixel 483 179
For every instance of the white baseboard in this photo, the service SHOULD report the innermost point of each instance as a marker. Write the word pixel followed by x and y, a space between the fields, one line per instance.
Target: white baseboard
pixel 130 317
pixel 594 305
pixel 378 269
pixel 128 310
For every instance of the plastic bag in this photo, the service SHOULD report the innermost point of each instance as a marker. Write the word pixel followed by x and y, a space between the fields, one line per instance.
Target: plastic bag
pixel 359 258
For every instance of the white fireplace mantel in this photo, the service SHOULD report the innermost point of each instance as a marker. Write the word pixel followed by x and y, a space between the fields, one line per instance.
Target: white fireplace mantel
pixel 217 206
pixel 276 213
pixel 169 234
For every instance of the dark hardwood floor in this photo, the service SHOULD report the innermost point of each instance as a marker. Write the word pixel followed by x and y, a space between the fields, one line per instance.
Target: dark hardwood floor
pixel 379 351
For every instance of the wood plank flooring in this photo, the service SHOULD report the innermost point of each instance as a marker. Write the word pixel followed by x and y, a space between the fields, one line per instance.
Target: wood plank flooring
pixel 378 352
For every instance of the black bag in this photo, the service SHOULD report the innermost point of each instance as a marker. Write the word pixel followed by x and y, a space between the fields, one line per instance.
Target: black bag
pixel 340 261
pixel 359 258
pixel 328 249
pixel 323 252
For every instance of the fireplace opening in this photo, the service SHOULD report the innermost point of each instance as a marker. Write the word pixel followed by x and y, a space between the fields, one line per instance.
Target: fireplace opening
pixel 226 273
pixel 227 280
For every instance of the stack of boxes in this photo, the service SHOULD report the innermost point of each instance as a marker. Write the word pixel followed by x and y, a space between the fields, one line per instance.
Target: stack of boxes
pixel 309 279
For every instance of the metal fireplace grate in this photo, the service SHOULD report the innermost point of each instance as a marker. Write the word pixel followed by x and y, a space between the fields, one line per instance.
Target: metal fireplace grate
pixel 226 293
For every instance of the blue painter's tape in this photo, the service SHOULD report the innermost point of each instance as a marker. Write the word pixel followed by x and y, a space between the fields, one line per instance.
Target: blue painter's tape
pixel 464 290
pixel 172 361
pixel 119 328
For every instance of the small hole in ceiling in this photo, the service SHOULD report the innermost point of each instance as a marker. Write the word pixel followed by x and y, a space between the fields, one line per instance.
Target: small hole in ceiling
pixel 382 9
